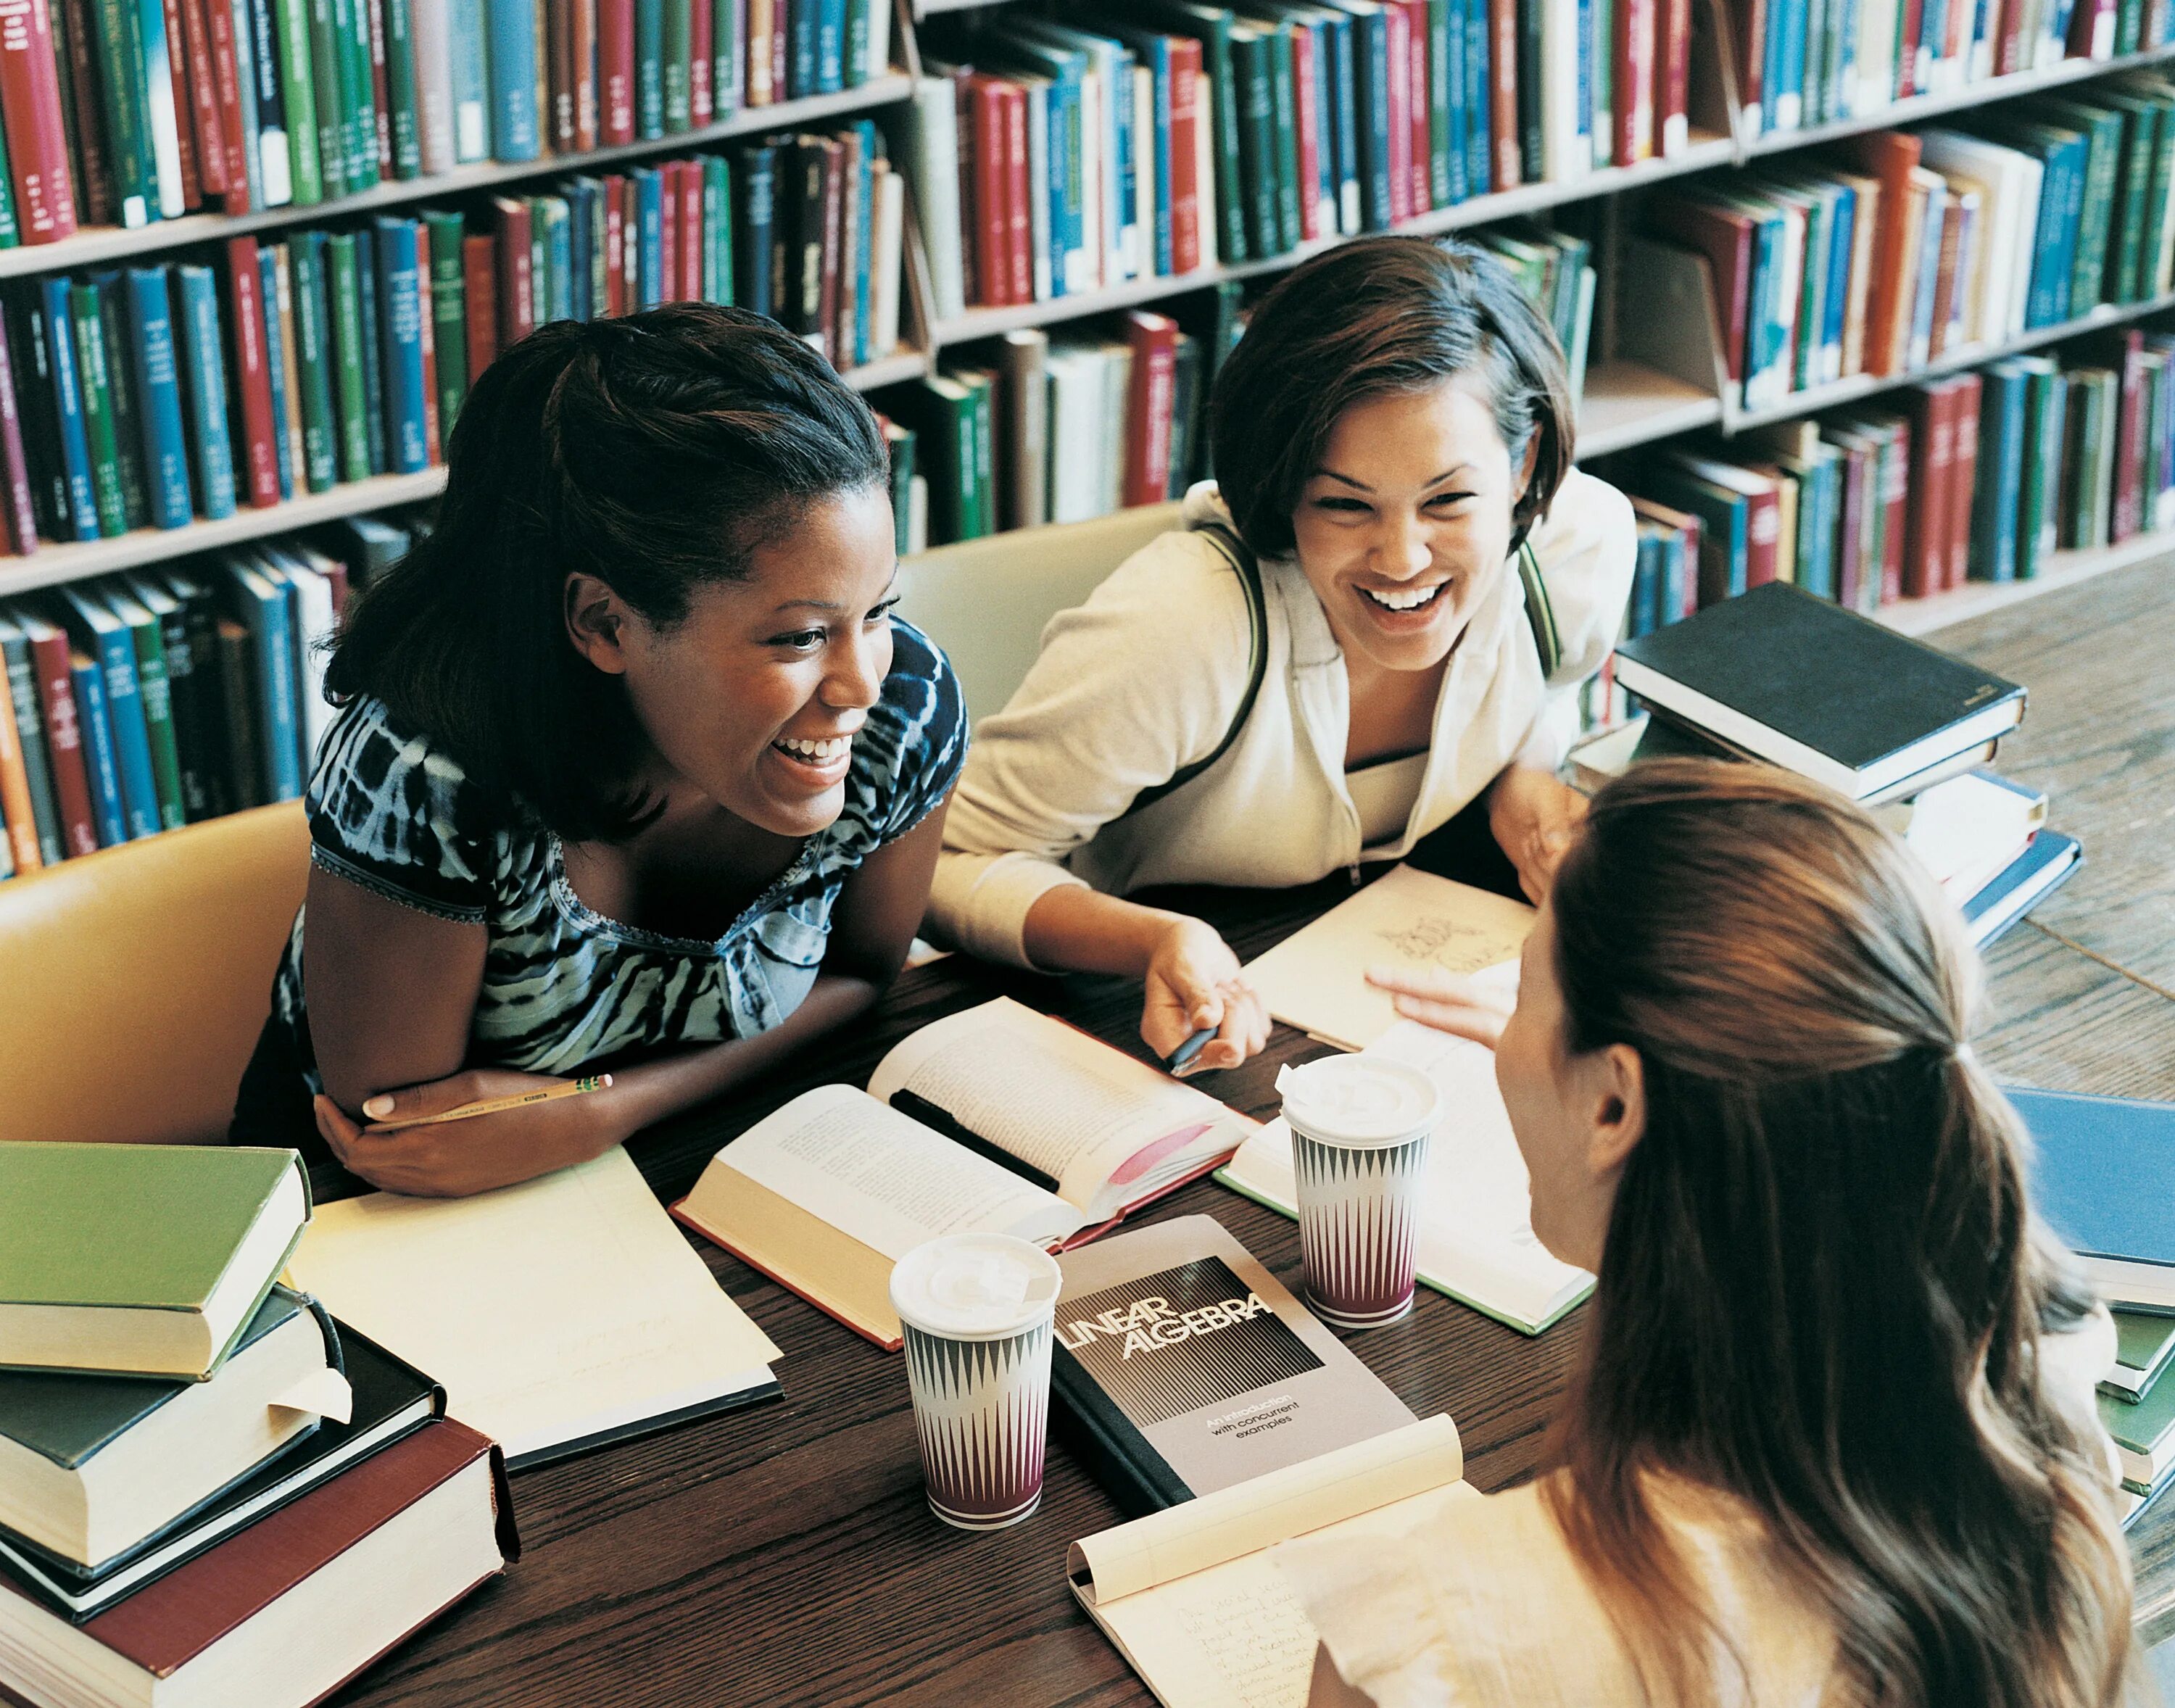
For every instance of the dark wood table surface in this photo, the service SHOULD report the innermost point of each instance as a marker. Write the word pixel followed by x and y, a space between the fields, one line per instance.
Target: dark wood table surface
pixel 783 1555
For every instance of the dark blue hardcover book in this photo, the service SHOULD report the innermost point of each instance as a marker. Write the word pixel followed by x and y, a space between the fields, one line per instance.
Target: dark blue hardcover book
pixel 275 365
pixel 400 322
pixel 800 22
pixel 92 626
pixel 649 233
pixel 649 67
pixel 1341 119
pixel 1678 580
pixel 1646 602
pixel 51 317
pixel 373 365
pixel 157 363
pixel 830 45
pixel 86 675
pixel 758 233
pixel 2103 1176
pixel 2000 480
pixel 554 225
pixel 1371 56
pixel 1253 75
pixel 1585 113
pixel 275 166
pixel 259 603
pixel 1479 92
pixel 1445 84
pixel 515 134
pixel 581 194
pixel 204 388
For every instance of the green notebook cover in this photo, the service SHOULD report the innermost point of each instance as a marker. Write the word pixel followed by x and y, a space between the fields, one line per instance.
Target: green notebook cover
pixel 142 1227
pixel 68 1419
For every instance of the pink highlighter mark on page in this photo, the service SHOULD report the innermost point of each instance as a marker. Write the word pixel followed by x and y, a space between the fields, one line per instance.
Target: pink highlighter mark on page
pixel 1143 1161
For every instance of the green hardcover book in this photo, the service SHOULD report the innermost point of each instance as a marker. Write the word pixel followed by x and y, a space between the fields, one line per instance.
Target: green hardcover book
pixel 315 361
pixel 1603 111
pixel 121 396
pixel 2143 1345
pixel 900 440
pixel 2141 149
pixel 291 26
pixel 982 383
pixel 205 741
pixel 1284 115
pixel 97 1464
pixel 718 230
pixel 1254 77
pixel 2153 240
pixel 97 403
pixel 449 319
pixel 401 98
pixel 358 95
pixel 117 30
pixel 11 233
pixel 1440 104
pixel 350 395
pixel 150 643
pixel 1210 26
pixel 2143 1434
pixel 858 19
pixel 2044 411
pixel 2102 131
pixel 141 1259
pixel 182 690
pixel 678 57
pixel 329 93
pixel 245 741
pixel 941 411
pixel 2129 20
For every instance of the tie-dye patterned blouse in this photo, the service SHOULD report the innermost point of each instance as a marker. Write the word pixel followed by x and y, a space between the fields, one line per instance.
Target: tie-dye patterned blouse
pixel 562 985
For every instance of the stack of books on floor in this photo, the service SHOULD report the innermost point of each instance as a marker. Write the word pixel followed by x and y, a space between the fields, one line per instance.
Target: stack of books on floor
pixel 1151 137
pixel 126 116
pixel 2104 1177
pixel 166 696
pixel 208 1488
pixel 1759 677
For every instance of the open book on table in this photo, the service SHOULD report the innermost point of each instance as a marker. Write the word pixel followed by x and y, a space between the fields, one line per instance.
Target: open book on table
pixel 1476 1238
pixel 1192 1595
pixel 998 1119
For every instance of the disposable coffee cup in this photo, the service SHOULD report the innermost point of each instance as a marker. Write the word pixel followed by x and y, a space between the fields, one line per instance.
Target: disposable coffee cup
pixel 976 1309
pixel 1359 1141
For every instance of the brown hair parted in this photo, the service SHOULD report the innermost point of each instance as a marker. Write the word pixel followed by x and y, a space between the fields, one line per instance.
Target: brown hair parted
pixel 1368 319
pixel 654 453
pixel 1823 1289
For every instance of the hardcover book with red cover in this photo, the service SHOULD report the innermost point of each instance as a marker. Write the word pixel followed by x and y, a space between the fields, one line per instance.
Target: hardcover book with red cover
pixel 97 201
pixel 517 302
pixel 585 75
pixel 1316 218
pixel 701 48
pixel 668 231
pixel 1399 24
pixel 1673 76
pixel 1154 339
pixel 1423 147
pixel 480 301
pixel 1186 118
pixel 616 71
pixel 196 95
pixel 30 110
pixel 991 191
pixel 1934 453
pixel 1725 237
pixel 186 131
pixel 615 201
pixel 253 378
pixel 1503 96
pixel 1966 392
pixel 1019 216
pixel 1891 156
pixel 690 174
pixel 1634 47
pixel 232 139
pixel 49 661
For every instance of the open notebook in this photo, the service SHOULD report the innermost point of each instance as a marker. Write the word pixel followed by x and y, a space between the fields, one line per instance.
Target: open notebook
pixel 559 1315
pixel 998 1119
pixel 1476 1235
pixel 1317 979
pixel 1192 1597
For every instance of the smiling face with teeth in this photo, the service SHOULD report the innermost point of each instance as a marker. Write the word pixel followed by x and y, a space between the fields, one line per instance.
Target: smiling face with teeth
pixel 1405 521
pixel 754 699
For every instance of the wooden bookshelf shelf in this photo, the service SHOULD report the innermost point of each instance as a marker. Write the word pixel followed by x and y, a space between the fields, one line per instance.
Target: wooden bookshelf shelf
pixel 1983 93
pixel 103 246
pixel 1628 404
pixel 1921 617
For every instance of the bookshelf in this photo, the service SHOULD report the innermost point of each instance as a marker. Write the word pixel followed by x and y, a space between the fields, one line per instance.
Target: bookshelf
pixel 1923 617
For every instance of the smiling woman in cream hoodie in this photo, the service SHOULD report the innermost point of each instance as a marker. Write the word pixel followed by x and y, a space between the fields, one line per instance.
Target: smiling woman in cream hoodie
pixel 1394 425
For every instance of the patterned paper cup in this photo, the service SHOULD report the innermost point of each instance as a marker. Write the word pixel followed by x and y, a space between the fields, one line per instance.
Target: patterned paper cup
pixel 1359 1138
pixel 976 1308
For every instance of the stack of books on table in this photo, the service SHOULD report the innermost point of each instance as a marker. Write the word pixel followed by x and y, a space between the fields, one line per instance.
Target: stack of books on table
pixel 209 1489
pixel 2104 1173
pixel 1780 676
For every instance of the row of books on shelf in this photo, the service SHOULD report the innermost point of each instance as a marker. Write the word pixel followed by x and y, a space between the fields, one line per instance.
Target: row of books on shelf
pixel 1156 137
pixel 123 114
pixel 1806 63
pixel 1029 428
pixel 1976 476
pixel 1901 248
pixel 142 701
pixel 149 395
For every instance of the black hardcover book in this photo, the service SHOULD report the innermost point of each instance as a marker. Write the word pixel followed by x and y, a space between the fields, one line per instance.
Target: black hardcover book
pixel 1803 684
pixel 38 407
pixel 755 234
pixel 1180 1367
pixel 391 1398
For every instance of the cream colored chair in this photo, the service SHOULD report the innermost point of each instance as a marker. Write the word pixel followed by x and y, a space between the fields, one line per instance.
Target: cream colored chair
pixel 986 602
pixel 133 981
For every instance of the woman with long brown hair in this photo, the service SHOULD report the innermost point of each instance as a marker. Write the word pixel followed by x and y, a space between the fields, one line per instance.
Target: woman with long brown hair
pixel 1833 1441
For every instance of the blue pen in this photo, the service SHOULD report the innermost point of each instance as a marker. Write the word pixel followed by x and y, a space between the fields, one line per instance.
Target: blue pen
pixel 1182 1058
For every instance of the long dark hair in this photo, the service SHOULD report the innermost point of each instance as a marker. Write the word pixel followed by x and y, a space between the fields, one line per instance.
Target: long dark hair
pixel 1369 319
pixel 654 453
pixel 1823 1289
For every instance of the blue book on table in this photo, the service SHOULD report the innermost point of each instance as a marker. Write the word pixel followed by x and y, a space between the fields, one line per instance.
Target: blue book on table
pixel 68 394
pixel 92 625
pixel 514 134
pixel 400 322
pixel 204 377
pixel 2103 1176
pixel 86 675
pixel 159 397
pixel 275 365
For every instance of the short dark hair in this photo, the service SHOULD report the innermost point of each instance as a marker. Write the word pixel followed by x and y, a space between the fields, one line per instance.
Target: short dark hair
pixel 655 452
pixel 1375 318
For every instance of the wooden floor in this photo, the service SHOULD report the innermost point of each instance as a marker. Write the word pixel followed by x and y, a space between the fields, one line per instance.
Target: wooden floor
pixel 784 1556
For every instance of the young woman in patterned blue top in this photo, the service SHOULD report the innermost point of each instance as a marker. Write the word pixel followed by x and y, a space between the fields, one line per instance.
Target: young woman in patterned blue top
pixel 634 770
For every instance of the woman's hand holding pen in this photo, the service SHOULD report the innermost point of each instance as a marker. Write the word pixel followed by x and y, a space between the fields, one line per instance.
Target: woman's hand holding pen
pixel 450 1159
pixel 1194 983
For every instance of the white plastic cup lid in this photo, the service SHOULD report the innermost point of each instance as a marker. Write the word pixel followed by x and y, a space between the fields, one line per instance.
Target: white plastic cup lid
pixel 1359 1101
pixel 976 1286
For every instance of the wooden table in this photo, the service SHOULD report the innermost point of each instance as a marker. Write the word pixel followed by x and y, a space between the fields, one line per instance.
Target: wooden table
pixel 784 1556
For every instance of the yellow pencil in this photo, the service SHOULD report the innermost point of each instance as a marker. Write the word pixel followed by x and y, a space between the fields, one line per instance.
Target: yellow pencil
pixel 492 1106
